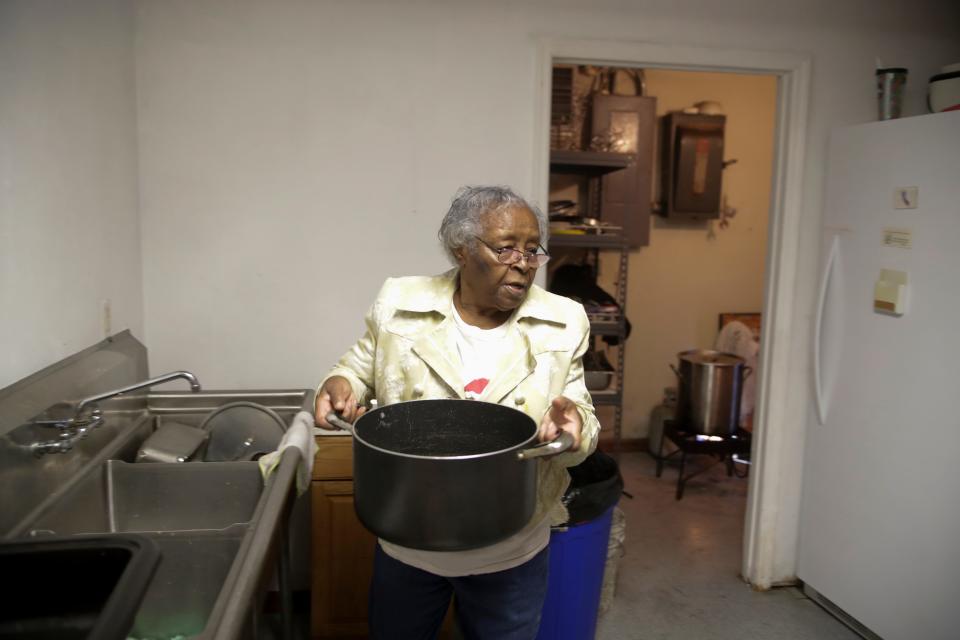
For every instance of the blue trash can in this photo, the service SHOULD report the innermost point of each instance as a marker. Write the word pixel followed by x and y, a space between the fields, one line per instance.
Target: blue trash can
pixel 577 559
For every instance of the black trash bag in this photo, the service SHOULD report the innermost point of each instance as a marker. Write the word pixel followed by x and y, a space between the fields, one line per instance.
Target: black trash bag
pixel 579 282
pixel 595 486
pixel 594 360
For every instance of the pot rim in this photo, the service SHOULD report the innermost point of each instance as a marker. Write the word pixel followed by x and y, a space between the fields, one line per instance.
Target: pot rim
pixel 473 456
pixel 685 356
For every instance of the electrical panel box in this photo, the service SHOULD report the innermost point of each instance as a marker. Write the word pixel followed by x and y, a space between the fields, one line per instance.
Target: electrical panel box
pixel 625 196
pixel 691 167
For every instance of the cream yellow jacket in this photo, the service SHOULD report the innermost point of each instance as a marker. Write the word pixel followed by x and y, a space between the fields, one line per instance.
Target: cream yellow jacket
pixel 409 353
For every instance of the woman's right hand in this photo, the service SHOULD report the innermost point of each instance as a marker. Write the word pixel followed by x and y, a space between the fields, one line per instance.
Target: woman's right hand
pixel 336 394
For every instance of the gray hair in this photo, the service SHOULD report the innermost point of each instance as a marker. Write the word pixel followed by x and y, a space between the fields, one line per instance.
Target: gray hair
pixel 462 221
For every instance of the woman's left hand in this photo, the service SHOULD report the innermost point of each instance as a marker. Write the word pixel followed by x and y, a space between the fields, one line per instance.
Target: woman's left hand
pixel 562 416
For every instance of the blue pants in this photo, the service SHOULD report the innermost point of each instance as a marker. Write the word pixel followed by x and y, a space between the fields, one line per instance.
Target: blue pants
pixel 409 604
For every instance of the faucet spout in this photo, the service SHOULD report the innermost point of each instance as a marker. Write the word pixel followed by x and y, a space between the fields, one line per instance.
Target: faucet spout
pixel 167 377
pixel 75 421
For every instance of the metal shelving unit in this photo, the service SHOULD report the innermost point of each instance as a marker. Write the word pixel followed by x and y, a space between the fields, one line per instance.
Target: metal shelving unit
pixel 588 241
pixel 607 325
pixel 593 165
pixel 589 163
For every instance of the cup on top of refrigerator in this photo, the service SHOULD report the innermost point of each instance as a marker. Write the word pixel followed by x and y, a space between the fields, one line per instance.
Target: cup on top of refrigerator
pixel 891 82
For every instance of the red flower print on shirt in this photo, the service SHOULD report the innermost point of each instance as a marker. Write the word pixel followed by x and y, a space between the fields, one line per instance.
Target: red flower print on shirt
pixel 477 386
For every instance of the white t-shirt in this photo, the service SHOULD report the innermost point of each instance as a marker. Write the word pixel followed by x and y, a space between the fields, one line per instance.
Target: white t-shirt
pixel 480 351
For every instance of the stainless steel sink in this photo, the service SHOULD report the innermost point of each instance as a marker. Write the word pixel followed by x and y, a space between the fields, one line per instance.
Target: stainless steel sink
pixel 194 572
pixel 219 526
pixel 100 583
pixel 123 497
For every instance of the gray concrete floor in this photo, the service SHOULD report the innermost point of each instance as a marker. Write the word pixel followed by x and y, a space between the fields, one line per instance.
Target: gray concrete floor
pixel 680 575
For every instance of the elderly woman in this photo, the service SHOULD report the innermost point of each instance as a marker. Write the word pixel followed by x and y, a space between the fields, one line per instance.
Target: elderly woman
pixel 483 330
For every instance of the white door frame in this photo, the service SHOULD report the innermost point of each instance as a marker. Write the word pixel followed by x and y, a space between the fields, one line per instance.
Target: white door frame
pixel 769 554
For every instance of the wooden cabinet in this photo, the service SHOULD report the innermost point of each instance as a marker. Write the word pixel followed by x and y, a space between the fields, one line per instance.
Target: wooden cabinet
pixel 342 548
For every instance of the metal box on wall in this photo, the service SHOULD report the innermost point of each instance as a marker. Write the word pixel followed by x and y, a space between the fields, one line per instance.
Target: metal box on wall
pixel 625 196
pixel 691 168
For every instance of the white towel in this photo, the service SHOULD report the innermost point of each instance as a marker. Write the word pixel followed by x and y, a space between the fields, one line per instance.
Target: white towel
pixel 300 435
pixel 738 339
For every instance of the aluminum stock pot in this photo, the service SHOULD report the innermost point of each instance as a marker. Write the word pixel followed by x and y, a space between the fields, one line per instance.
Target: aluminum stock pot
pixel 446 475
pixel 711 383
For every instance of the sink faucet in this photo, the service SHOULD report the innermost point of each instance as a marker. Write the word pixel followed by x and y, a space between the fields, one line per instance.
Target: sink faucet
pixel 74 421
pixel 92 400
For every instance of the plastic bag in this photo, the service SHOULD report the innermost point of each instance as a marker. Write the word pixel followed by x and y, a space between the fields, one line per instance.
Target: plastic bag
pixel 615 551
pixel 595 486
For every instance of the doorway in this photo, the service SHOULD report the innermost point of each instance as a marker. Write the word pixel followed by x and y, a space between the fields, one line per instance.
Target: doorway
pixel 773 502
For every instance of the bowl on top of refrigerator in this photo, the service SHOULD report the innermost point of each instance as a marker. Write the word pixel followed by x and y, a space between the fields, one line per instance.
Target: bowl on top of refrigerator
pixel 943 92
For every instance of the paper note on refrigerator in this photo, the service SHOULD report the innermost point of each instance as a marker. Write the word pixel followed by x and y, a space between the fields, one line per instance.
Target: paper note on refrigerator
pixel 890 292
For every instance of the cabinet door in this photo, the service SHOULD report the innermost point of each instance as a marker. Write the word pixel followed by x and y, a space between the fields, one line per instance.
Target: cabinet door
pixel 342 563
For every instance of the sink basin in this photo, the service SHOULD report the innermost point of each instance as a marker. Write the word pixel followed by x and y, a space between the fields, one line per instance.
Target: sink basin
pixel 194 567
pixel 81 587
pixel 125 497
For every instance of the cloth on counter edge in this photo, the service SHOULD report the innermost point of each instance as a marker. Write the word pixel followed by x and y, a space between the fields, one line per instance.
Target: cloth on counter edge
pixel 300 435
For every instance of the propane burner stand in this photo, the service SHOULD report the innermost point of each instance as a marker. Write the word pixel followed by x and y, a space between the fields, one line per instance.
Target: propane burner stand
pixel 724 448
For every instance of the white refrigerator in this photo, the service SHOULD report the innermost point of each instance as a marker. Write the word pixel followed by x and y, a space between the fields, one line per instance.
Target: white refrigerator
pixel 880 516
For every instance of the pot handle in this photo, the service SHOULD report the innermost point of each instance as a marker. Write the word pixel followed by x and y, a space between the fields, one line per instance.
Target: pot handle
pixel 562 442
pixel 677 371
pixel 336 420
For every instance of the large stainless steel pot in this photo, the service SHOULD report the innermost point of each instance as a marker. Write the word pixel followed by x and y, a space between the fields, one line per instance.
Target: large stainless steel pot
pixel 445 475
pixel 711 383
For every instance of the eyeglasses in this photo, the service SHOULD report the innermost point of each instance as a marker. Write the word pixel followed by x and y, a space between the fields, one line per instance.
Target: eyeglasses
pixel 509 255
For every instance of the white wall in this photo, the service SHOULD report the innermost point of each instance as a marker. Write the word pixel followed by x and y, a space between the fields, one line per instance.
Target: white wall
pixel 294 155
pixel 69 234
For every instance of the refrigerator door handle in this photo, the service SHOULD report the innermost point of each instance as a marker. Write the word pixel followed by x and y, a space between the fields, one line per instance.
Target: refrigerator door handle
pixel 819 394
